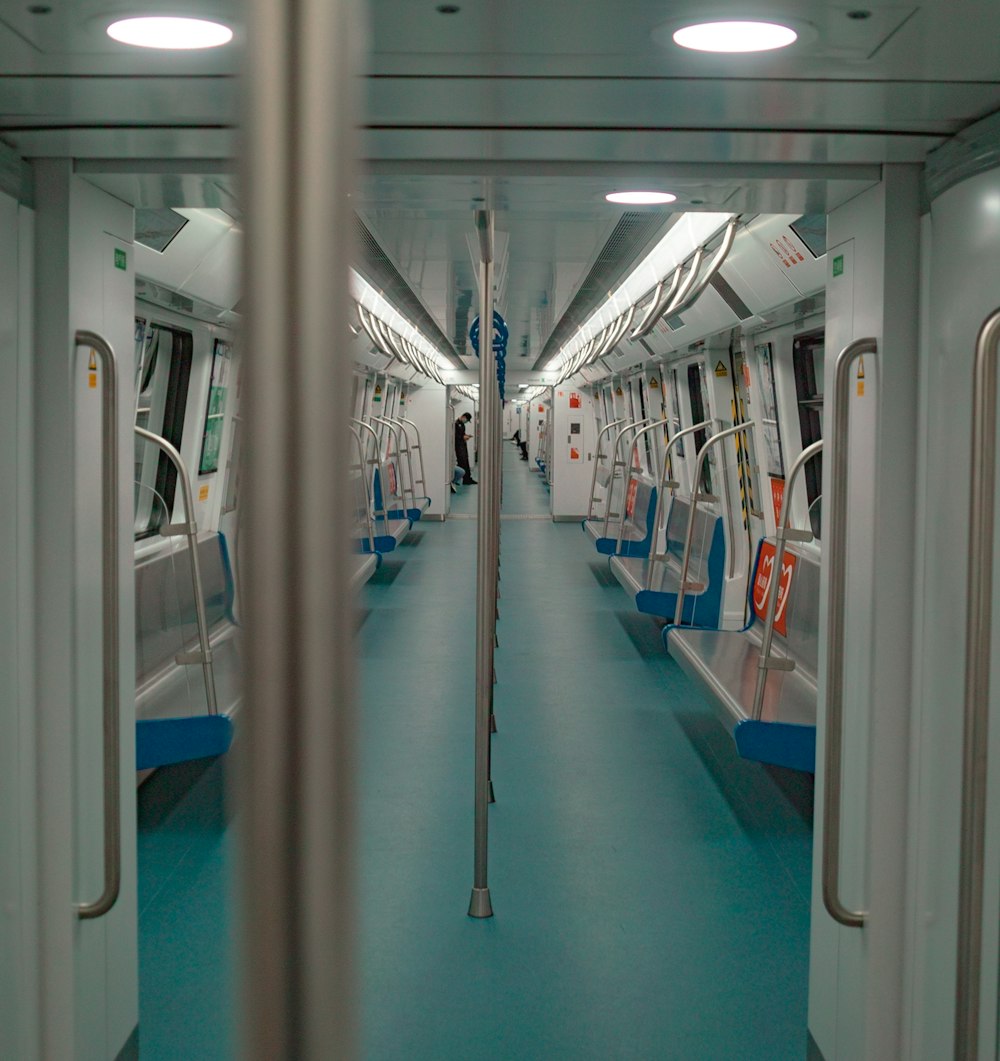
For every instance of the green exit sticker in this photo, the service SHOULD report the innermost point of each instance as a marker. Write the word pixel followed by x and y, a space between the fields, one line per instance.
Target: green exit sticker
pixel 120 259
pixel 838 265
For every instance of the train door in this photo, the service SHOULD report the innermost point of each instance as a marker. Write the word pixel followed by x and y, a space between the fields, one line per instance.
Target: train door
pixel 807 359
pixel 952 921
pixel 859 961
pixel 69 875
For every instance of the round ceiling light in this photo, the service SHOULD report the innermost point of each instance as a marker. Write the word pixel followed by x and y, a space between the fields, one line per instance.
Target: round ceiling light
pixel 735 37
pixel 640 198
pixel 170 32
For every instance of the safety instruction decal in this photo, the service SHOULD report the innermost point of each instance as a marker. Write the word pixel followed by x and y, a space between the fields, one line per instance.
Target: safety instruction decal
pixel 838 265
pixel 788 250
pixel 203 492
pixel 574 400
pixel 121 259
pixel 720 370
pixel 763 582
pixel 633 489
pixel 861 377
pixel 92 371
pixel 777 498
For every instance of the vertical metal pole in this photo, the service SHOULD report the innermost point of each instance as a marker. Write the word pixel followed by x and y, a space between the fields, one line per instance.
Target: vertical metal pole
pixel 296 776
pixel 480 905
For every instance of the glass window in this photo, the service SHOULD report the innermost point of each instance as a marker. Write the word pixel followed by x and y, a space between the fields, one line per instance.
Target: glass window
pixel 163 378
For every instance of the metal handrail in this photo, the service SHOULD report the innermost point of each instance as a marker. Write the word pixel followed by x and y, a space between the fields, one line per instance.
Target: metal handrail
pixel 660 299
pixel 782 535
pixel 685 287
pixel 111 714
pixel 597 461
pixel 975 738
pixel 618 329
pixel 420 451
pixel 406 450
pixel 663 484
pixel 370 330
pixel 629 476
pixel 362 467
pixel 836 546
pixel 749 425
pixel 688 300
pixel 189 529
pixel 630 426
pixel 377 462
pixel 394 431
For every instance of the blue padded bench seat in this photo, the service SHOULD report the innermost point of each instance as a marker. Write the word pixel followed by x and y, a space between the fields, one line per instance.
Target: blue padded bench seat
pixel 638 532
pixel 725 664
pixel 708 555
pixel 171 709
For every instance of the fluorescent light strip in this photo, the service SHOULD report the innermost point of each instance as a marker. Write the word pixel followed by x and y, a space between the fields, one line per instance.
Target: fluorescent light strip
pixel 382 308
pixel 686 235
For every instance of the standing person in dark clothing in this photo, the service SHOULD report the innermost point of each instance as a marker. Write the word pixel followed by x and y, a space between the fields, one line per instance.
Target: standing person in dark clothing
pixel 462 449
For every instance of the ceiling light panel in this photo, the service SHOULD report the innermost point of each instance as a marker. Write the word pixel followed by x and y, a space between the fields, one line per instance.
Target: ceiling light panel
pixel 735 37
pixel 382 308
pixel 688 233
pixel 170 33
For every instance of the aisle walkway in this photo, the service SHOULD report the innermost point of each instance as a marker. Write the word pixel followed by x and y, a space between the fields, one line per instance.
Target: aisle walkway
pixel 650 888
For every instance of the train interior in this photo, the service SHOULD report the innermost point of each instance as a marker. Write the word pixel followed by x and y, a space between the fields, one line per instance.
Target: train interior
pixel 741 803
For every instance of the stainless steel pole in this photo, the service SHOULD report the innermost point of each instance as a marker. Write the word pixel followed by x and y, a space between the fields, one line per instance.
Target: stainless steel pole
pixel 480 905
pixel 296 777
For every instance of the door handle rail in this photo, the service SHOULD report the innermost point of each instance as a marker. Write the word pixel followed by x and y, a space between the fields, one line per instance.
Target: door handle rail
pixel 979 624
pixel 111 714
pixel 836 546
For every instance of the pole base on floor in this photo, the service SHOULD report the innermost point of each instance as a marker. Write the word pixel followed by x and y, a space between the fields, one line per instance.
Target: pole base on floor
pixel 480 905
pixel 492 798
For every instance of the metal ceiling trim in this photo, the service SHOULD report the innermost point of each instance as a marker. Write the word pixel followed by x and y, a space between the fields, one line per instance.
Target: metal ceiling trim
pixel 974 150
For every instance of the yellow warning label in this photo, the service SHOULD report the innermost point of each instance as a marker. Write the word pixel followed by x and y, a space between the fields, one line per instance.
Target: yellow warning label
pixel 720 370
pixel 654 382
pixel 861 377
pixel 203 493
pixel 92 371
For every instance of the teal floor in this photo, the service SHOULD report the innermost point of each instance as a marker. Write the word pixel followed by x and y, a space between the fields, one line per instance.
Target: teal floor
pixel 651 889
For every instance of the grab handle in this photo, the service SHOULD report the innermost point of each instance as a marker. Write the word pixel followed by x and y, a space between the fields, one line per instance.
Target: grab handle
pixel 979 622
pixel 109 627
pixel 837 548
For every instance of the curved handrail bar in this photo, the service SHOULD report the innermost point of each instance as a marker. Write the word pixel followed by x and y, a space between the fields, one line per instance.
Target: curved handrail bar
pixel 190 529
pixel 748 425
pixel 836 592
pixel 361 466
pixel 782 535
pixel 389 337
pixel 597 461
pixel 401 424
pixel 616 330
pixel 369 330
pixel 629 474
pixel 663 297
pixel 979 621
pixel 651 306
pixel 418 447
pixel 110 630
pixel 663 484
pixel 394 432
pixel 685 289
pixel 632 425
pixel 716 264
pixel 377 461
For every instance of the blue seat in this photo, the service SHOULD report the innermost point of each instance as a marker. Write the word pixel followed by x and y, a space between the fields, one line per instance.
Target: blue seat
pixel 725 663
pixel 637 534
pixel 706 570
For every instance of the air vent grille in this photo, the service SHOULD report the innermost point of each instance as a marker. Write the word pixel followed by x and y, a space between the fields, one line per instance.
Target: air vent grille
pixel 380 271
pixel 630 237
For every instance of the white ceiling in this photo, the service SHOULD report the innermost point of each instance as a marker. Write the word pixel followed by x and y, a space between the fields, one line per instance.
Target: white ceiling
pixel 534 107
